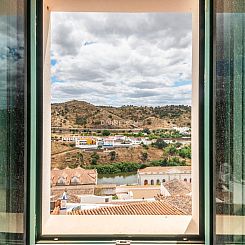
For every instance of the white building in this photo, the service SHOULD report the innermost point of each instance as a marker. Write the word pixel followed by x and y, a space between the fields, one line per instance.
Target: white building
pixel 158 175
pixel 183 130
pixel 69 139
pixel 92 199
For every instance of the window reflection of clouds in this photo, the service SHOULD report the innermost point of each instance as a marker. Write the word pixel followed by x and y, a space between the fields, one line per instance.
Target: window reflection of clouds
pixel 11 57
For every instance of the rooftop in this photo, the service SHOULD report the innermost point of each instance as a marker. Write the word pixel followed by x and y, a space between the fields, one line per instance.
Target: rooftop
pixel 164 169
pixel 184 203
pixel 144 208
pixel 83 176
pixel 178 187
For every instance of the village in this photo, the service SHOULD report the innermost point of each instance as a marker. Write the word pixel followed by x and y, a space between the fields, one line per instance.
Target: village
pixel 106 140
pixel 79 192
pixel 164 190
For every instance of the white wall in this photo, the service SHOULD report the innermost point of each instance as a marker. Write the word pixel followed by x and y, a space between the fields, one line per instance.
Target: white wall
pixel 95 199
pixel 167 177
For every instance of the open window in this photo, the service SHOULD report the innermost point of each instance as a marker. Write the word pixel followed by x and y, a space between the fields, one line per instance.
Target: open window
pixel 77 141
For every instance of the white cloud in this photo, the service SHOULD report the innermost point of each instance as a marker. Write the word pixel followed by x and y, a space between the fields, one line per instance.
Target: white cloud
pixel 122 58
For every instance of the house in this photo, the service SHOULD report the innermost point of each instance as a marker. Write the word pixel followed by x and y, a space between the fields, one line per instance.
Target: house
pixel 77 176
pixel 87 143
pixel 177 187
pixel 158 175
pixel 95 199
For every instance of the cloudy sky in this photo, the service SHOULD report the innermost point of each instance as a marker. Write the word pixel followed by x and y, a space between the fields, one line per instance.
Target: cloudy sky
pixel 121 58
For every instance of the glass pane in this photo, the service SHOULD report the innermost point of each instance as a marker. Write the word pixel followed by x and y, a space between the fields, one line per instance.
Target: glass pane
pixel 230 116
pixel 128 123
pixel 11 121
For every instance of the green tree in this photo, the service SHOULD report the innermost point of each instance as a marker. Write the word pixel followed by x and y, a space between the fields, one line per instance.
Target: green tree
pixel 160 143
pixel 73 164
pixel 169 151
pixel 94 161
pixel 106 132
pixel 146 131
pixel 144 156
pixel 80 158
pixel 94 158
pixel 185 152
pixel 112 155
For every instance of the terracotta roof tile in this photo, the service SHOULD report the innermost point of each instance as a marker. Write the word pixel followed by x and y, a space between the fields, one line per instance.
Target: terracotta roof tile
pixel 85 176
pixel 164 169
pixel 145 208
pixel 178 187
pixel 183 203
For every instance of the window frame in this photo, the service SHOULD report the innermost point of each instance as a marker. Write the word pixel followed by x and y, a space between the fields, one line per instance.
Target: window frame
pixel 37 164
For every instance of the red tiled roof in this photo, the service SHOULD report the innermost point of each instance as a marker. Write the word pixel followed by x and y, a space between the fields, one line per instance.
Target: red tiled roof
pixel 178 187
pixel 164 169
pixel 183 203
pixel 145 208
pixel 85 176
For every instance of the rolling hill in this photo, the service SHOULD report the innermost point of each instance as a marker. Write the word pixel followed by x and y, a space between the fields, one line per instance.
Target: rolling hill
pixel 81 114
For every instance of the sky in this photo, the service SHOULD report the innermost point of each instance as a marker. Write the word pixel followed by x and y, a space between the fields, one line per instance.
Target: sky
pixel 117 59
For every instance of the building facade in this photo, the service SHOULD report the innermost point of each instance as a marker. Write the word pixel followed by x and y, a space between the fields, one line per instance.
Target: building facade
pixel 158 175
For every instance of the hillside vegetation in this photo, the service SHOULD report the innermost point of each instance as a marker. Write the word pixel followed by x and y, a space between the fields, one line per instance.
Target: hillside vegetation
pixel 80 114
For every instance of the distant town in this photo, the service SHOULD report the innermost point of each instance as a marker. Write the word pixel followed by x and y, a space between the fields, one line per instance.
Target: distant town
pixel 123 170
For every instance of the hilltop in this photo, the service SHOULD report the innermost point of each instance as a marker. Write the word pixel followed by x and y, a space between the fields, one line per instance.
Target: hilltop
pixel 81 114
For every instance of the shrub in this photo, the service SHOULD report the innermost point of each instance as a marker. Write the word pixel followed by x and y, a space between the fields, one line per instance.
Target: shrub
pixel 94 158
pixel 160 143
pixel 112 155
pixel 146 131
pixel 81 120
pixel 144 156
pixel 106 132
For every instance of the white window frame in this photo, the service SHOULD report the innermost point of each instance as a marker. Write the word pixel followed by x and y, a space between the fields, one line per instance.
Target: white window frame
pixel 119 224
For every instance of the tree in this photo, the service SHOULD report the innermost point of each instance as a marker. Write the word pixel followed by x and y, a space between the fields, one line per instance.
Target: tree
pixel 185 152
pixel 169 151
pixel 94 158
pixel 178 144
pixel 80 158
pixel 73 164
pixel 146 131
pixel 94 161
pixel 112 155
pixel 144 156
pixel 106 132
pixel 160 143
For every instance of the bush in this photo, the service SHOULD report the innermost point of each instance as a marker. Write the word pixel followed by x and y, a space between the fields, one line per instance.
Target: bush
pixel 94 158
pixel 106 132
pixel 81 120
pixel 73 165
pixel 144 156
pixel 94 161
pixel 112 155
pixel 114 168
pixel 146 131
pixel 160 143
pixel 185 152
pixel 79 157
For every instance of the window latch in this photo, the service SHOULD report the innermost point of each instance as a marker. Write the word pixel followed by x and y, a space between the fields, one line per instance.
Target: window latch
pixel 123 242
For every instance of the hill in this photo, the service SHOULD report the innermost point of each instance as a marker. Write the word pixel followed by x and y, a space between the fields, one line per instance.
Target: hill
pixel 80 114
